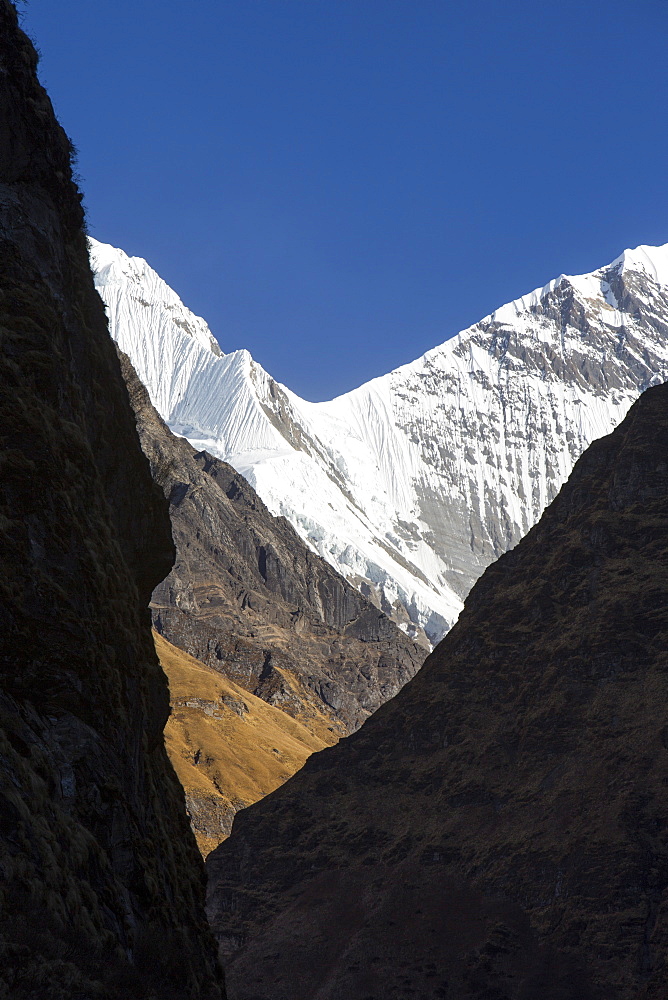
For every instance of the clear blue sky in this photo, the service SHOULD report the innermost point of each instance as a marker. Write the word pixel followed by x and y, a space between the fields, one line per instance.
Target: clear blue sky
pixel 339 185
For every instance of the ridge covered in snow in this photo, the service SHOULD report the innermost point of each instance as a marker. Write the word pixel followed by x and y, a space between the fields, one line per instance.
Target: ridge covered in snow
pixel 412 483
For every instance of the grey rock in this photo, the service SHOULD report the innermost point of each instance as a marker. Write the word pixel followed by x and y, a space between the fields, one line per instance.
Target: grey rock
pixel 247 597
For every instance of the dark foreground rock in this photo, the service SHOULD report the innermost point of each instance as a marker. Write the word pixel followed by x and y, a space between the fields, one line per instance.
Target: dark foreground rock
pixel 500 829
pixel 101 892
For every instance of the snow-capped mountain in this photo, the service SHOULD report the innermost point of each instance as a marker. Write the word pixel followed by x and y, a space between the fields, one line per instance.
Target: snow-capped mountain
pixel 411 484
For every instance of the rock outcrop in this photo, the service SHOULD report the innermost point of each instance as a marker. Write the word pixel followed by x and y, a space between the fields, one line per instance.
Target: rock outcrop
pixel 249 599
pixel 101 887
pixel 500 828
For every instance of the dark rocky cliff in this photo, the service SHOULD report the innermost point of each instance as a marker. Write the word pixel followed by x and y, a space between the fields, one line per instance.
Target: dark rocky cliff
pixel 500 829
pixel 247 597
pixel 101 884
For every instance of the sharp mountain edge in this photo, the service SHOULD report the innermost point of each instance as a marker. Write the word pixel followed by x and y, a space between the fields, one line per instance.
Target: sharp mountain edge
pixel 413 483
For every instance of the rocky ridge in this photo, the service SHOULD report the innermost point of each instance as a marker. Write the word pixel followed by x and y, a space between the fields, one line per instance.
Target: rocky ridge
pixel 411 484
pixel 499 828
pixel 102 888
pixel 249 599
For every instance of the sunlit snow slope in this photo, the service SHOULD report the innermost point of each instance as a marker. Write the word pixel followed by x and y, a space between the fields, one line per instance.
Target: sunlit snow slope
pixel 413 483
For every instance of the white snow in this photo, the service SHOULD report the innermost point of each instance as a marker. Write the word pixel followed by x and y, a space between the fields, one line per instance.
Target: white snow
pixel 653 261
pixel 418 479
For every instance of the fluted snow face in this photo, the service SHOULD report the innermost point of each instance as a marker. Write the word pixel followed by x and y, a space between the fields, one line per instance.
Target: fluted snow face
pixel 413 483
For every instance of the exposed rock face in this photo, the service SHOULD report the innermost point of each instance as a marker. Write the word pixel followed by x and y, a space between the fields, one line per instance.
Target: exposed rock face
pixel 102 885
pixel 247 597
pixel 499 829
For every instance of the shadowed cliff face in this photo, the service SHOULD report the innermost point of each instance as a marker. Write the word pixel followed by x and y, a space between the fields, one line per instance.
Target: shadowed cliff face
pixel 101 887
pixel 247 597
pixel 499 829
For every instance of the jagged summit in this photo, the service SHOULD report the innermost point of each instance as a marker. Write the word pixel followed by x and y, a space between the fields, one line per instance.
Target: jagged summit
pixel 414 482
pixel 115 269
pixel 652 260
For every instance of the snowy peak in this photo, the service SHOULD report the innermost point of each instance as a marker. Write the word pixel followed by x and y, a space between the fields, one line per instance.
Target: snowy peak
pixel 652 261
pixel 595 287
pixel 171 348
pixel 412 483
pixel 133 279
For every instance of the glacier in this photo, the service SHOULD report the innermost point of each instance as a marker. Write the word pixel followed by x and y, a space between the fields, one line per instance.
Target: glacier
pixel 411 484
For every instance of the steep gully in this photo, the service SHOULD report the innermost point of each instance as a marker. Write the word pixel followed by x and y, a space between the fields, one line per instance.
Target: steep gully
pixel 247 596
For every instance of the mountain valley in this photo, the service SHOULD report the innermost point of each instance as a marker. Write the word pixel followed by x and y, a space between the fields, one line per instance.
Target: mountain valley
pixel 395 664
pixel 228 747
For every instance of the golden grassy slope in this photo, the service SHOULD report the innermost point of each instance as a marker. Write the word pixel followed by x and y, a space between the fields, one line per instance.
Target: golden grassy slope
pixel 228 747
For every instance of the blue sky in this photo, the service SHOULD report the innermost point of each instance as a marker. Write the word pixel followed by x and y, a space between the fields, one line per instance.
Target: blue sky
pixel 340 185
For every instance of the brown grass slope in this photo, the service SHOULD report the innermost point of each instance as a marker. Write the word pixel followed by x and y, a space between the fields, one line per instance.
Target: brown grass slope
pixel 499 830
pixel 101 885
pixel 228 747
